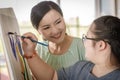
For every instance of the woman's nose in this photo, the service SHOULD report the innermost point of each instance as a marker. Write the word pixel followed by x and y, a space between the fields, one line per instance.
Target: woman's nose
pixel 55 30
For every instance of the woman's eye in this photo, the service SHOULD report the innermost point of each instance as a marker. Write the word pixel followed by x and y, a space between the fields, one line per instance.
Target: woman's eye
pixel 58 22
pixel 46 28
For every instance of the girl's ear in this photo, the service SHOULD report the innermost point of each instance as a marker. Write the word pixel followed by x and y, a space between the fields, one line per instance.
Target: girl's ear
pixel 101 45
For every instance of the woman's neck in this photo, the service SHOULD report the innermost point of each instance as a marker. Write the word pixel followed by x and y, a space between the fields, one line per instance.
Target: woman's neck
pixel 61 47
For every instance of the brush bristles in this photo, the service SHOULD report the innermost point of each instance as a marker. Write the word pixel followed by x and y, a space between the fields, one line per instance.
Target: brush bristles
pixel 11 33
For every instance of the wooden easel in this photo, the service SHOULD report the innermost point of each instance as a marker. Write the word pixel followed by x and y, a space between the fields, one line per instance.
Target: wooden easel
pixel 8 23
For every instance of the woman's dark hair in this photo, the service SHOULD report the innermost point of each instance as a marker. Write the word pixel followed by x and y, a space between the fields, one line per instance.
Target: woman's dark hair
pixel 39 10
pixel 108 28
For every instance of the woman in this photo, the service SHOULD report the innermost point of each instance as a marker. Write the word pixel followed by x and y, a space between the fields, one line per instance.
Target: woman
pixel 63 50
pixel 102 46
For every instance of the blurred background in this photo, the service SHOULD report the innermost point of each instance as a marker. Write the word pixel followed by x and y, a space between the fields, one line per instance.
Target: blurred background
pixel 78 15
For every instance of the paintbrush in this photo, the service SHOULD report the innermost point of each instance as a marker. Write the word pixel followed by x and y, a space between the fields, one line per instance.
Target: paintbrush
pixel 28 38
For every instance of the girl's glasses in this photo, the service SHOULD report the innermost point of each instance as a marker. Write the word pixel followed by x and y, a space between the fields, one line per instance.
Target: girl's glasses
pixel 84 37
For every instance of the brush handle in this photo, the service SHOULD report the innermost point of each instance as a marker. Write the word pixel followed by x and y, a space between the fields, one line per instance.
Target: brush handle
pixel 35 41
pixel 28 38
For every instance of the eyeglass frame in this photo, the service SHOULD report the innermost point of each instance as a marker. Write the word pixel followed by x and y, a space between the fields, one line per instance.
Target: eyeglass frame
pixel 84 37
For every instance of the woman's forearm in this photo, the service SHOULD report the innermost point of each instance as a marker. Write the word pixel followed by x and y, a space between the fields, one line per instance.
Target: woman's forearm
pixel 40 69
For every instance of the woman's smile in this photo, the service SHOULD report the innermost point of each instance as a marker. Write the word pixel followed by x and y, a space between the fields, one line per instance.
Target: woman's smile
pixel 57 36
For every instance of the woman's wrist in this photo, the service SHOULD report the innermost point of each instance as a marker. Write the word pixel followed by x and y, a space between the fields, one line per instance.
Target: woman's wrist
pixel 29 57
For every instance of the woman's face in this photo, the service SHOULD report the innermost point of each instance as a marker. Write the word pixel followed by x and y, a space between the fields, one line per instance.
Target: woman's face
pixel 52 27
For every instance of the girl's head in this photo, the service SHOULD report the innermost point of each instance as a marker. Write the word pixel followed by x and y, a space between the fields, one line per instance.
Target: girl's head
pixel 39 11
pixel 107 29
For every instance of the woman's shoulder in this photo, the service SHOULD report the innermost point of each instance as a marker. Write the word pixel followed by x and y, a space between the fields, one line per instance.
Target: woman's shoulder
pixel 77 42
pixel 77 38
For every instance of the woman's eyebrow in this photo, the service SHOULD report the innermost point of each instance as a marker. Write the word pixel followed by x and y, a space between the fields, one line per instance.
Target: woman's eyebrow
pixel 45 25
pixel 57 20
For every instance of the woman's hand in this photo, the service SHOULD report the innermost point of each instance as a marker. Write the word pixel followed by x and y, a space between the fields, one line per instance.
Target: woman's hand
pixel 27 45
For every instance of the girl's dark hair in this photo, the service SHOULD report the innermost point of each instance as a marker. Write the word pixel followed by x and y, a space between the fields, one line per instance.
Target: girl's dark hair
pixel 39 10
pixel 108 28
